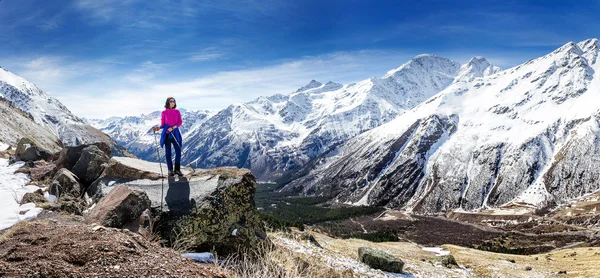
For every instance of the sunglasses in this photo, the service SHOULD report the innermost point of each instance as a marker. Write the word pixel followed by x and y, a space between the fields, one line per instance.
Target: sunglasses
pixel 171 101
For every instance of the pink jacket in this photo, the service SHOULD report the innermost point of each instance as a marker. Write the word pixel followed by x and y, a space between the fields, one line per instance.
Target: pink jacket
pixel 170 117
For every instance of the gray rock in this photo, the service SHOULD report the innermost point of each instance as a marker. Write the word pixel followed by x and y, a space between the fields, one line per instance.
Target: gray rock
pixel 27 150
pixel 204 210
pixel 69 156
pixel 65 183
pixel 91 164
pixel 378 259
pixel 449 261
pixel 119 208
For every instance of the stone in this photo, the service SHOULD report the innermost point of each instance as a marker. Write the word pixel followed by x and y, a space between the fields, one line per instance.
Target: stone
pixel 67 203
pixel 210 209
pixel 126 169
pixel 65 183
pixel 90 165
pixel 119 208
pixel 69 156
pixel 34 197
pixel 27 150
pixel 42 172
pixel 378 259
pixel 448 261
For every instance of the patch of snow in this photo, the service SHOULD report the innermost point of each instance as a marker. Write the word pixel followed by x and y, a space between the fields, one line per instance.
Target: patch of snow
pixel 437 250
pixel 50 197
pixel 204 257
pixel 12 189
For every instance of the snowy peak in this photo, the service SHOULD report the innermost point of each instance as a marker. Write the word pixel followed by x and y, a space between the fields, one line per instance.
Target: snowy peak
pixel 20 83
pixel 425 63
pixel 476 67
pixel 589 45
pixel 313 84
pixel 569 47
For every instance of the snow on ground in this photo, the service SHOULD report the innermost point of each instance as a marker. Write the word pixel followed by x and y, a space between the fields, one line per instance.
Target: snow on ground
pixel 12 189
pixel 204 257
pixel 3 146
pixel 437 250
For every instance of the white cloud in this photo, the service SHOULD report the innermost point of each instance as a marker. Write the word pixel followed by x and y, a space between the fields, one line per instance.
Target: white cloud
pixel 208 54
pixel 145 88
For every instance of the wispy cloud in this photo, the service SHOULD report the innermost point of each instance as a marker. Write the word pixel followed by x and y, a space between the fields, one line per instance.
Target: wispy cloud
pixel 208 54
pixel 143 89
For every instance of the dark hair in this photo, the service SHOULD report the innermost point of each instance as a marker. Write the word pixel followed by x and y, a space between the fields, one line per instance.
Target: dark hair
pixel 167 106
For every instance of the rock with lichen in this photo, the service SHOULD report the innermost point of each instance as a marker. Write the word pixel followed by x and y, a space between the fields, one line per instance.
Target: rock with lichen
pixel 204 210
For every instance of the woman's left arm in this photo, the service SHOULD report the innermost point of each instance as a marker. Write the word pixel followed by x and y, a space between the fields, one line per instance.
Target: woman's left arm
pixel 179 122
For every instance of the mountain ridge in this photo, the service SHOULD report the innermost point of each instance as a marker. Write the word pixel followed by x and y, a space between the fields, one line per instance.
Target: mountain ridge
pixel 422 158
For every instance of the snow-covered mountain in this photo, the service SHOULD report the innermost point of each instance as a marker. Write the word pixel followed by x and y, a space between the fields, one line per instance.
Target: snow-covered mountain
pixel 275 134
pixel 135 134
pixel 49 112
pixel 17 124
pixel 528 135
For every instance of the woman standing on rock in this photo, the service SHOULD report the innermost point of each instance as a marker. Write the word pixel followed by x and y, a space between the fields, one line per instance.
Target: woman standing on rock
pixel 170 122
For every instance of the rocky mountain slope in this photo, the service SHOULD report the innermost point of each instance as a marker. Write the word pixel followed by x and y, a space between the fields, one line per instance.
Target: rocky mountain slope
pixel 17 124
pixel 272 135
pixel 526 135
pixel 49 112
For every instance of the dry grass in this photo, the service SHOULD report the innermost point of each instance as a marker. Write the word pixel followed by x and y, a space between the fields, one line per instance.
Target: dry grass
pixel 152 234
pixel 11 231
pixel 267 262
pixel 577 262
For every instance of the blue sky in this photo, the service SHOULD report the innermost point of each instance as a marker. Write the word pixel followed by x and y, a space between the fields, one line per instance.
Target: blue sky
pixel 107 58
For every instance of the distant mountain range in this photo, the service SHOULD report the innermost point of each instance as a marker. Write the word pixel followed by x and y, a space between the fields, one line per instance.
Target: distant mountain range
pixel 528 135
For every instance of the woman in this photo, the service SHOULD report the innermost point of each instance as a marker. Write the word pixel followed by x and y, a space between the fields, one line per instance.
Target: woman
pixel 170 122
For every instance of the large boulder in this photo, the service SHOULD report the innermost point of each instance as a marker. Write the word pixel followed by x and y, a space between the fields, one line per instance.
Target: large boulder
pixel 91 164
pixel 124 170
pixel 69 156
pixel 27 150
pixel 378 259
pixel 119 208
pixel 204 210
pixel 65 183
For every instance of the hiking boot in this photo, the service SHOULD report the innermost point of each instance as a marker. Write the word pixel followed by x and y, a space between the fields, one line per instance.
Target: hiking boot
pixel 179 173
pixel 171 174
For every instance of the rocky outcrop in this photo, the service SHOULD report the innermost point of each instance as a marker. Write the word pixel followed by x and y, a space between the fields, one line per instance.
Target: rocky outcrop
pixel 65 183
pixel 378 259
pixel 69 156
pixel 90 164
pixel 204 210
pixel 119 208
pixel 27 150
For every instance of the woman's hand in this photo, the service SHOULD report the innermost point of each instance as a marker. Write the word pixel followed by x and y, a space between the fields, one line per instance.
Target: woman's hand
pixel 156 128
pixel 170 129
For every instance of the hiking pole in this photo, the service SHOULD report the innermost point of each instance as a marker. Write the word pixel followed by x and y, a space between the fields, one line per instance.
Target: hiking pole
pixel 162 187
pixel 158 153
